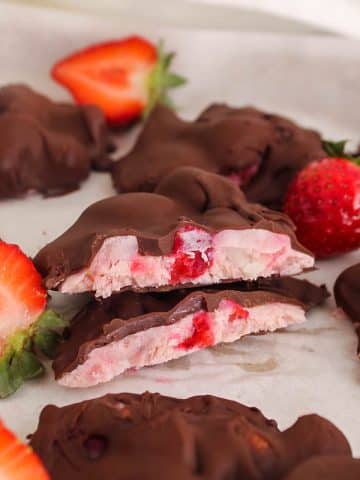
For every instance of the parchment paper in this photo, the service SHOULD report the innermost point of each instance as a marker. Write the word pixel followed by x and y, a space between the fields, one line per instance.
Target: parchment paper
pixel 310 368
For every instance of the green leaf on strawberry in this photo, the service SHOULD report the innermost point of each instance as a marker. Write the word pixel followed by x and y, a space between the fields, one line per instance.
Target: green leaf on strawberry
pixel 17 364
pixel 50 320
pixel 48 332
pixel 26 365
pixel 161 80
pixel 18 361
pixel 337 150
pixel 47 341
pixel 7 384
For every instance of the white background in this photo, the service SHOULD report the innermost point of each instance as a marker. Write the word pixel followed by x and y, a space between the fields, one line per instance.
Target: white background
pixel 342 16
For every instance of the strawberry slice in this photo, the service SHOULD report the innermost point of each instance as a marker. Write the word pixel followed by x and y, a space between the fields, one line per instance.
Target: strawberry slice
pixel 23 322
pixel 22 298
pixel 17 460
pixel 124 78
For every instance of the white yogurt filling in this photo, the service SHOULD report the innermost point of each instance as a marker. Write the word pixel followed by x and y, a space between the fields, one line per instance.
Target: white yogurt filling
pixel 236 255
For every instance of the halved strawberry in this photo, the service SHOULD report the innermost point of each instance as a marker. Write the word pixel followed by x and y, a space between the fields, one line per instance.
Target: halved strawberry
pixel 17 460
pixel 23 322
pixel 124 78
pixel 22 298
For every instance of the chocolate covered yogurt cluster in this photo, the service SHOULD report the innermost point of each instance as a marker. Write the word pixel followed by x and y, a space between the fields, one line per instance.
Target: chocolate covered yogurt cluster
pixel 150 436
pixel 48 147
pixel 183 268
pixel 259 151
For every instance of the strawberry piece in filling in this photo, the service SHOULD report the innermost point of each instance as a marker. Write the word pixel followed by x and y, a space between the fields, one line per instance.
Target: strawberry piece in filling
pixel 193 253
pixel 202 335
pixel 237 312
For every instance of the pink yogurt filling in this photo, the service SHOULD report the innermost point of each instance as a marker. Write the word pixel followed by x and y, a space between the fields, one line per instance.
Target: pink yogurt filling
pixel 196 331
pixel 198 258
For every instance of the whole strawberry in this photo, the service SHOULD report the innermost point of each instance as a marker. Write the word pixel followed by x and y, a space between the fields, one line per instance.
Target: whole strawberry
pixel 324 203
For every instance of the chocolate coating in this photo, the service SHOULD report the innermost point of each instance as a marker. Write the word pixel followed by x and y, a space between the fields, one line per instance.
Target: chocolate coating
pixel 106 321
pixel 327 468
pixel 347 295
pixel 45 146
pixel 263 151
pixel 150 436
pixel 188 196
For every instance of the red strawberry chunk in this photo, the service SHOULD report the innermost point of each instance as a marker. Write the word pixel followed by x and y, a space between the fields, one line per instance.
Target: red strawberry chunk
pixel 189 266
pixel 193 254
pixel 202 335
pixel 238 312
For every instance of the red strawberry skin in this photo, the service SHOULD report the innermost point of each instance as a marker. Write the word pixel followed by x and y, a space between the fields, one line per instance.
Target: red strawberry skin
pixel 17 460
pixel 324 203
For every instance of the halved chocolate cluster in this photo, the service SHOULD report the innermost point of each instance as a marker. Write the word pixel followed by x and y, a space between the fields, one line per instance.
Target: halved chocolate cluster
pixel 130 330
pixel 197 228
pixel 162 267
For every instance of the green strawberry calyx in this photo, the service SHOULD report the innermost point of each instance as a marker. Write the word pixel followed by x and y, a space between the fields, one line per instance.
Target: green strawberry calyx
pixel 337 149
pixel 161 80
pixel 19 361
